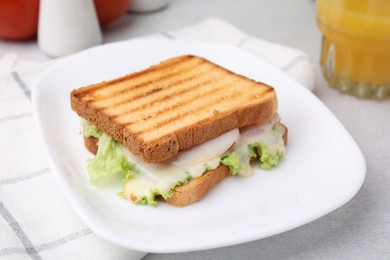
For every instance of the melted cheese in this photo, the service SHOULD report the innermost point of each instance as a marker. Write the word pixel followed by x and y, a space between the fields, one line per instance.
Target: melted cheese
pixel 189 164
pixel 202 152
pixel 160 178
pixel 270 134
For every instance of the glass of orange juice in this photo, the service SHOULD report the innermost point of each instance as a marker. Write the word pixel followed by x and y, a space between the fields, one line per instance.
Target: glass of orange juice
pixel 355 56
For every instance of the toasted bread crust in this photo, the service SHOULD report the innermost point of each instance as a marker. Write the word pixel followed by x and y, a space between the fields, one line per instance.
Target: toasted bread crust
pixel 152 114
pixel 197 188
pixel 285 135
pixel 91 143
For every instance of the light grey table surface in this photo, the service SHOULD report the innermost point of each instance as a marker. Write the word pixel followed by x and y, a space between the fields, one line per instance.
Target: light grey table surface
pixel 358 230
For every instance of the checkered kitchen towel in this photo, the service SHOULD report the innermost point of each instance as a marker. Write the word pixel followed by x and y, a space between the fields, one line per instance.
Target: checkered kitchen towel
pixel 35 220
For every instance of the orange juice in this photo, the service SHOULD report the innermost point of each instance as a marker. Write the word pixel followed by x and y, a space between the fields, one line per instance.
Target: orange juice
pixel 356 46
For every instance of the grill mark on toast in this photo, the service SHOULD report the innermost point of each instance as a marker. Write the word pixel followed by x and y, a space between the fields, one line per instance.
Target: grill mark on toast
pixel 173 107
pixel 79 95
pixel 163 98
pixel 152 91
pixel 156 99
pixel 187 103
pixel 178 117
pixel 114 94
pixel 143 73
pixel 140 85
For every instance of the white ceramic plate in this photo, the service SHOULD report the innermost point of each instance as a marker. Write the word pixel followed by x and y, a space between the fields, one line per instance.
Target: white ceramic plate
pixel 323 169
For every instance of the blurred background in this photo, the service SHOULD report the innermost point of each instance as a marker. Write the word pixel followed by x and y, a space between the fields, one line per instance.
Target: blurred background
pixel 290 25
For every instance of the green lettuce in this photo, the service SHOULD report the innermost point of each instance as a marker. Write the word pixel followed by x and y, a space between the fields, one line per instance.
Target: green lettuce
pixel 109 160
pixel 267 158
pixel 232 161
pixel 90 129
pixel 151 198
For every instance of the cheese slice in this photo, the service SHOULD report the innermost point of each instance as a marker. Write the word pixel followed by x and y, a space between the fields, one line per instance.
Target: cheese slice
pixel 159 178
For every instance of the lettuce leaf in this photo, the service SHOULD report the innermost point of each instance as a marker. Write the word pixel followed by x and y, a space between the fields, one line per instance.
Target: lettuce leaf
pixel 232 161
pixel 90 129
pixel 267 158
pixel 109 160
pixel 153 193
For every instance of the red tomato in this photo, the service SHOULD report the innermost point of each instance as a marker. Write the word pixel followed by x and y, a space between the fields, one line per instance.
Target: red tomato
pixel 18 19
pixel 109 10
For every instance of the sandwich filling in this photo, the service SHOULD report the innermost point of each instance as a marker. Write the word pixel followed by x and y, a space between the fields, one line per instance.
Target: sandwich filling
pixel 142 181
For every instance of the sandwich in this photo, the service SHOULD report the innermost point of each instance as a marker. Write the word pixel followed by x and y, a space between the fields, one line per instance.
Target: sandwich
pixel 176 129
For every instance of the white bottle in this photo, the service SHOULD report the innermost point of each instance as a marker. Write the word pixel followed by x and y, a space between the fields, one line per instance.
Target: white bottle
pixel 147 5
pixel 67 26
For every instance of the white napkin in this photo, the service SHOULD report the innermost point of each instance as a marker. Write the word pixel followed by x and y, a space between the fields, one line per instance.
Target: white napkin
pixel 35 220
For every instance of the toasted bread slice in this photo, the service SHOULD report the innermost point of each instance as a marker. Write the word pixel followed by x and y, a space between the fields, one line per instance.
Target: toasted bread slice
pixel 174 105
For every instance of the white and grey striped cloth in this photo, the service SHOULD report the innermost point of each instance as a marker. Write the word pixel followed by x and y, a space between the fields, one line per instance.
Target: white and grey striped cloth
pixel 35 220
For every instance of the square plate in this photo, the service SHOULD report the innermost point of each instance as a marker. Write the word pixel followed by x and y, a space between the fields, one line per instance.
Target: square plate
pixel 323 168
